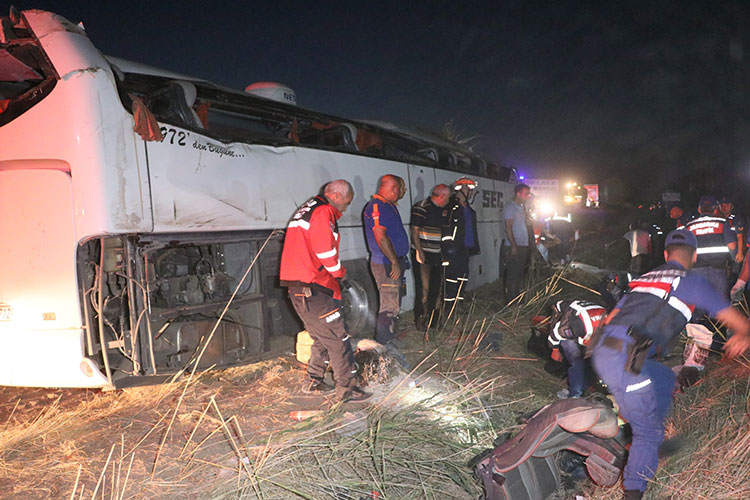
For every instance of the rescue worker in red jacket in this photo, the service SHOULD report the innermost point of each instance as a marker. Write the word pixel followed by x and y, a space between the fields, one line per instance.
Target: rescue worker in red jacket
pixel 576 322
pixel 311 268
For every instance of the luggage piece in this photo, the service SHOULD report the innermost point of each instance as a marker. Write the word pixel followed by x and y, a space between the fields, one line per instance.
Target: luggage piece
pixel 534 479
pixel 525 467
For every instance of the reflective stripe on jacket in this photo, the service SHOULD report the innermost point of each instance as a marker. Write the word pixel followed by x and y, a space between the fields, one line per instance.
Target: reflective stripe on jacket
pixel 580 325
pixel 311 247
pixel 712 244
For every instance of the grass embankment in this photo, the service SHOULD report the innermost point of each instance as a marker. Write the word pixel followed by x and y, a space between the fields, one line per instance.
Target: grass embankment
pixel 229 435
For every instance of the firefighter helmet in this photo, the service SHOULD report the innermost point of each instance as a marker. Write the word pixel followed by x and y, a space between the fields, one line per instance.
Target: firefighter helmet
pixel 465 181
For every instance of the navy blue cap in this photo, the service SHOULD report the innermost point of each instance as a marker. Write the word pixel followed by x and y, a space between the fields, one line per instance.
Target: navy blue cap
pixel 681 237
pixel 726 199
pixel 707 201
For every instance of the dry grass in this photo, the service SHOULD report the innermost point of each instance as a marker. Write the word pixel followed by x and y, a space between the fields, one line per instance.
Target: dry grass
pixel 227 434
pixel 713 419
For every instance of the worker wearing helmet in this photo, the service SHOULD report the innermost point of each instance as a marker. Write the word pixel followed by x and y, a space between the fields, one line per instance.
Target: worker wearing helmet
pixel 460 241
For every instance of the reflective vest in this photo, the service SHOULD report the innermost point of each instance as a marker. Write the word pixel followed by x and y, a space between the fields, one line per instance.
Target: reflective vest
pixel 712 249
pixel 311 248
pixel 579 320
pixel 652 310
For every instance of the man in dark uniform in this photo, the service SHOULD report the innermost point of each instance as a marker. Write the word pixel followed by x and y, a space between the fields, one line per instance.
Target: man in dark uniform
pixel 738 225
pixel 460 241
pixel 716 242
pixel 311 268
pixel 428 217
pixel 644 326
pixel 389 250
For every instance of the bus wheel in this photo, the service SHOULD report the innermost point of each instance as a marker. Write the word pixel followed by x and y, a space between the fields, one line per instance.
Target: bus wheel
pixel 360 299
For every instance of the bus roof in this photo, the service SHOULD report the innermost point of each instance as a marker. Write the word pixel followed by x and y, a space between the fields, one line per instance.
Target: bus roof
pixel 127 66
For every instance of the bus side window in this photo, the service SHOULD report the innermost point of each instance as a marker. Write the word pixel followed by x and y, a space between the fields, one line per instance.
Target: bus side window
pixel 174 104
pixel 447 160
pixel 500 173
pixel 340 136
pixel 477 166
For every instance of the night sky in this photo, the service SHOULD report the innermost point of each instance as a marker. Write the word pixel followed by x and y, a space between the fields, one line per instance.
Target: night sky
pixel 655 94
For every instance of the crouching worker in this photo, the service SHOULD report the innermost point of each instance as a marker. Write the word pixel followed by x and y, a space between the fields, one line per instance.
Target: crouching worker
pixel 574 324
pixel 644 326
pixel 310 268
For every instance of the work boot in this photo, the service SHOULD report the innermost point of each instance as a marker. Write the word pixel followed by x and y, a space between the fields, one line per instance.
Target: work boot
pixel 355 395
pixel 632 495
pixel 316 386
pixel 419 323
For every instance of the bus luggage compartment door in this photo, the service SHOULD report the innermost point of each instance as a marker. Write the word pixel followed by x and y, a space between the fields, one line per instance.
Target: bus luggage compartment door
pixel 41 337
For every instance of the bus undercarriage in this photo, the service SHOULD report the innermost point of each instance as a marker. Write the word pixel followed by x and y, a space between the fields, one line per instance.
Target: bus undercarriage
pixel 155 301
pixel 161 298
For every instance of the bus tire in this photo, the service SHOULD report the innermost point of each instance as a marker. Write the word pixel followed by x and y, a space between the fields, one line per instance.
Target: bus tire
pixel 360 299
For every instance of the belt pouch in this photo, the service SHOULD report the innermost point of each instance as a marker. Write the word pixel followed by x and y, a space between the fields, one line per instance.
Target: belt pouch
pixel 637 351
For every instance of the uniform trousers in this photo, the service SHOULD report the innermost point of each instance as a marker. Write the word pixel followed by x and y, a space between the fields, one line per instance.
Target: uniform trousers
pixel 324 321
pixel 644 401
pixel 577 376
pixel 427 287
pixel 456 277
pixel 390 293
pixel 717 276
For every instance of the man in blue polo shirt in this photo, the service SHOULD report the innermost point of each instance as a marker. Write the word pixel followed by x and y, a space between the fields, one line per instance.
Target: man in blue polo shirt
pixel 389 247
pixel 644 326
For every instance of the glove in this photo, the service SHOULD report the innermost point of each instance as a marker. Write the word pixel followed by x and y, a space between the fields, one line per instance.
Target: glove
pixel 737 289
pixel 556 355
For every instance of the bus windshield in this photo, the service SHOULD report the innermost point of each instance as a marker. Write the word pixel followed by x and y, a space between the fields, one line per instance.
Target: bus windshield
pixel 26 76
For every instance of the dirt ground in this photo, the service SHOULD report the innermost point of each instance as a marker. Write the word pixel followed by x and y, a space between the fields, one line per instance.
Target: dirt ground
pixel 183 443
pixel 48 433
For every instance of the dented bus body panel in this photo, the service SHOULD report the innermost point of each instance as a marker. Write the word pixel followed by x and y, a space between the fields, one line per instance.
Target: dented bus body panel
pixel 125 251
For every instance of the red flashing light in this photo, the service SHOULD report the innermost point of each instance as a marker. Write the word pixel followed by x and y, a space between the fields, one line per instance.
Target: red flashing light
pixel 4 103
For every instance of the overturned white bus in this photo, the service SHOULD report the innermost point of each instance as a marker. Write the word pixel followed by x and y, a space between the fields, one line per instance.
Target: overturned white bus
pixel 120 249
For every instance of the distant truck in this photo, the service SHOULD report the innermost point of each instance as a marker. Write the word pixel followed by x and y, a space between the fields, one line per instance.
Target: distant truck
pixel 592 195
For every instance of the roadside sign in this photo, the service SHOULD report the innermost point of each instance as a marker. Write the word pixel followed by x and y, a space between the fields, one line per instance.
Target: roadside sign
pixel 544 188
